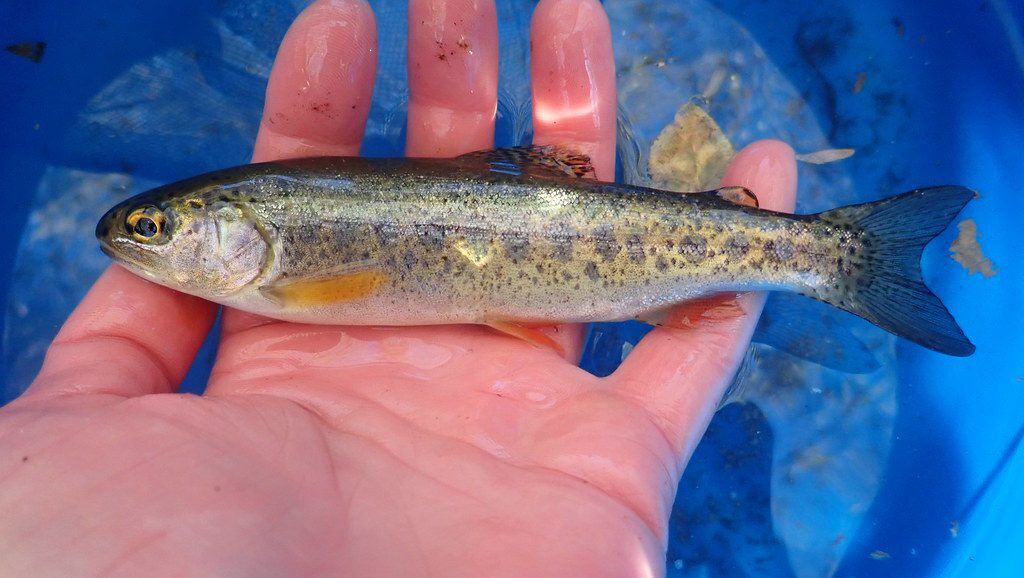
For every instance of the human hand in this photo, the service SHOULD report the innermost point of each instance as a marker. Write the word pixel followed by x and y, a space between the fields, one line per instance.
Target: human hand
pixel 322 450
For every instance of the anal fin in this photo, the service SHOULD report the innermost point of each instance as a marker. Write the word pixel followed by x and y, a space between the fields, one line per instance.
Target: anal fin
pixel 696 313
pixel 530 334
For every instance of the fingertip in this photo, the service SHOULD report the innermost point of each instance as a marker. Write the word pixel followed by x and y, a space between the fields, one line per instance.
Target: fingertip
pixel 453 76
pixel 572 67
pixel 768 168
pixel 319 91
pixel 569 17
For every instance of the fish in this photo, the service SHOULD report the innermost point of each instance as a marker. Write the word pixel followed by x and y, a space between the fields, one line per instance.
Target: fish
pixel 518 238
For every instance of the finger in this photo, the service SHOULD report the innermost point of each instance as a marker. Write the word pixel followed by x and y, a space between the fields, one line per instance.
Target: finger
pixel 679 375
pixel 453 77
pixel 319 91
pixel 573 72
pixel 128 337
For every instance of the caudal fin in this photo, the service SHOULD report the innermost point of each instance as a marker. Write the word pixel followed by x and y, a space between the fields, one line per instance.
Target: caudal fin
pixel 885 285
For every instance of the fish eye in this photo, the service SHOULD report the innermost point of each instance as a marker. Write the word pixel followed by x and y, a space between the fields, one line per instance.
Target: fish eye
pixel 146 227
pixel 145 224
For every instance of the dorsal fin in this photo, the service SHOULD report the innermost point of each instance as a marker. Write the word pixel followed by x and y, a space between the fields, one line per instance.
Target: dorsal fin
pixel 532 160
pixel 735 195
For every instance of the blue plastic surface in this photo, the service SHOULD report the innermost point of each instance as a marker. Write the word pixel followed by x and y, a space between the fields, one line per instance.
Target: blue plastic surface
pixel 941 101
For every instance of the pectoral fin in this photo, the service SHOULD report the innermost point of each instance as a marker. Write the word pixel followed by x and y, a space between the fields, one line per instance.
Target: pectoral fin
pixel 339 288
pixel 529 334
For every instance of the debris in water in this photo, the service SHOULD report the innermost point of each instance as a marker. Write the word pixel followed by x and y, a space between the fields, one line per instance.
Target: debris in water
pixel 954 528
pixel 825 156
pixel 691 154
pixel 858 85
pixel 901 29
pixel 30 50
pixel 714 83
pixel 880 555
pixel 967 251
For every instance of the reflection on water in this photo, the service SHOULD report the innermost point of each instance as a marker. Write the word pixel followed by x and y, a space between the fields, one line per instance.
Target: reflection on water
pixel 782 482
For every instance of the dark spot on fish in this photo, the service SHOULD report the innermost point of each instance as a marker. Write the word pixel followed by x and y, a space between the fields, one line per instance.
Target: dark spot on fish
pixel 605 243
pixel 784 249
pixel 635 249
pixel 24 459
pixel 307 234
pixel 432 236
pixel 737 245
pixel 562 250
pixel 517 246
pixel 693 247
pixel 591 271
pixel 410 259
pixel 562 242
pixel 661 264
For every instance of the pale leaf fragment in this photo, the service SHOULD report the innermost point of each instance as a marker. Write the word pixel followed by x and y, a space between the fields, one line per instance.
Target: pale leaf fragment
pixel 691 154
pixel 825 156
pixel 967 251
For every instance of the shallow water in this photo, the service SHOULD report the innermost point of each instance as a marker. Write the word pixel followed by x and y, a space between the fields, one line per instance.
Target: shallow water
pixel 785 479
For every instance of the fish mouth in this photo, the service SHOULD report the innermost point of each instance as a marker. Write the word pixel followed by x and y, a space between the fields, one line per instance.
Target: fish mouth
pixel 108 250
pixel 121 257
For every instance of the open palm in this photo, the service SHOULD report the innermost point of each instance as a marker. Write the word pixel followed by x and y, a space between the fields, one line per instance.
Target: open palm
pixel 320 450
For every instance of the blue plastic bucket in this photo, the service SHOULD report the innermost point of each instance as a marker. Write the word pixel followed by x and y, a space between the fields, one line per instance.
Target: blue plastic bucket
pixel 912 469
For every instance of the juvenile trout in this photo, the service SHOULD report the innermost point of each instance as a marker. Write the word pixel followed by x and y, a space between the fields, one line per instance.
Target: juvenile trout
pixel 513 238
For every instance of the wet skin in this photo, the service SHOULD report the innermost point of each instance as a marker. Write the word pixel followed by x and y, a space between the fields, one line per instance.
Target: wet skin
pixel 358 450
